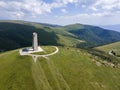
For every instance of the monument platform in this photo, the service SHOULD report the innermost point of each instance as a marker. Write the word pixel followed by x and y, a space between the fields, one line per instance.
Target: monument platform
pixel 27 51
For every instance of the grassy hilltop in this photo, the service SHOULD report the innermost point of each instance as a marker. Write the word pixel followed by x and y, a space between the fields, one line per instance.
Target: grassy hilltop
pixel 69 69
pixel 115 47
pixel 16 34
pixel 108 47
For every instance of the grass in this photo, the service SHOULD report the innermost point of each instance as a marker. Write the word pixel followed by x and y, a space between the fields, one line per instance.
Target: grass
pixel 47 50
pixel 69 69
pixel 15 72
pixel 82 74
pixel 108 47
pixel 69 41
pixel 115 47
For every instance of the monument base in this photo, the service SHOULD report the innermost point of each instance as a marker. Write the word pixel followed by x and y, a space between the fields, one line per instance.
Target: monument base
pixel 27 51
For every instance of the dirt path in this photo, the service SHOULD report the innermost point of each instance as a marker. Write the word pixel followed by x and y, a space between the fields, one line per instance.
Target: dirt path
pixel 45 56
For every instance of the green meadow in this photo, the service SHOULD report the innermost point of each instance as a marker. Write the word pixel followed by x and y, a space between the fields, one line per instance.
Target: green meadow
pixel 69 69
pixel 108 47
pixel 115 47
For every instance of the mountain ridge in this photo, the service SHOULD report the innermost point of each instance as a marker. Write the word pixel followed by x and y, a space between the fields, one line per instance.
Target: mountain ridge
pixel 115 27
pixel 93 34
pixel 15 34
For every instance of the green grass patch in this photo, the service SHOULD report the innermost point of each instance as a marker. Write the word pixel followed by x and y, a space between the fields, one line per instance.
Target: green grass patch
pixel 69 69
pixel 69 41
pixel 81 73
pixel 16 72
pixel 108 47
pixel 47 50
pixel 114 47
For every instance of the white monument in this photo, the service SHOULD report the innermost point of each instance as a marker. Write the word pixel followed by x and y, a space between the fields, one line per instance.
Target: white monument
pixel 35 47
pixel 35 42
pixel 30 51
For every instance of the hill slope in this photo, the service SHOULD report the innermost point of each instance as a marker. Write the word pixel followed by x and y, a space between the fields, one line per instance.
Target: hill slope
pixel 93 35
pixel 112 49
pixel 109 47
pixel 76 70
pixel 16 34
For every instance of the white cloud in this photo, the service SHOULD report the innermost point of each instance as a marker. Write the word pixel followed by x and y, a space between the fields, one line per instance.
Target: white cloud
pixel 2 4
pixel 64 10
pixel 68 1
pixel 83 6
pixel 17 15
pixel 104 18
pixel 89 10
pixel 106 4
pixel 93 8
pixel 31 7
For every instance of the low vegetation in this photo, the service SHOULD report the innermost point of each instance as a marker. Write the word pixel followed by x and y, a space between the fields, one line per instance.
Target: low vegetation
pixel 114 48
pixel 69 69
pixel 47 50
pixel 16 72
pixel 17 34
pixel 92 35
pixel 108 47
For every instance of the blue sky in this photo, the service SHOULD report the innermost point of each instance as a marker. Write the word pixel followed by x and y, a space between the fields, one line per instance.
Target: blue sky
pixel 62 12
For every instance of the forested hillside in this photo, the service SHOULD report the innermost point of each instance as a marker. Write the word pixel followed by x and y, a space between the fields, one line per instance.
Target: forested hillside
pixel 17 34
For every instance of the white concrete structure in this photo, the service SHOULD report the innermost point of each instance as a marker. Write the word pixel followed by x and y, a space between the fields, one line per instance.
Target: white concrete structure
pixel 34 56
pixel 35 42
pixel 35 47
pixel 27 51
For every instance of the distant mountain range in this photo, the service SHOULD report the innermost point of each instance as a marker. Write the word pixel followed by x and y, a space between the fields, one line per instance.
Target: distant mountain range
pixel 112 27
pixel 16 34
